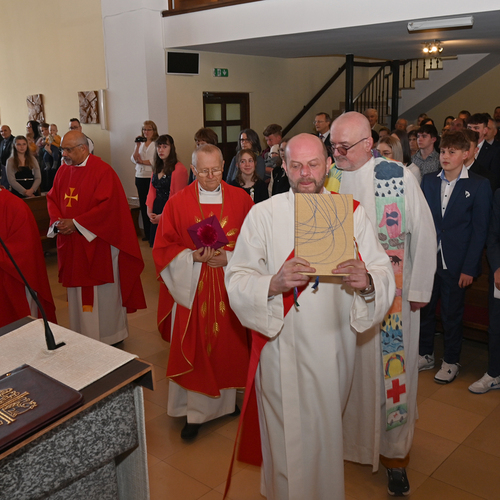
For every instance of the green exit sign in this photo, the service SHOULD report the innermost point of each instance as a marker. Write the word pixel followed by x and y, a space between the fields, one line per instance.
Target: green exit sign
pixel 222 72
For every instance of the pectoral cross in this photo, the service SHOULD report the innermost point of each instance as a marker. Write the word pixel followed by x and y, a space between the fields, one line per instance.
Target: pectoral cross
pixel 70 197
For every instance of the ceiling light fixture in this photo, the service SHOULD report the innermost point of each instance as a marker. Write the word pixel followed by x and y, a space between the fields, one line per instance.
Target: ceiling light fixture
pixel 433 48
pixel 442 24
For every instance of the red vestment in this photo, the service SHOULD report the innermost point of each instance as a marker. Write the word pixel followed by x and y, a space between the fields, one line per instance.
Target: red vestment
pixel 93 196
pixel 209 346
pixel 19 232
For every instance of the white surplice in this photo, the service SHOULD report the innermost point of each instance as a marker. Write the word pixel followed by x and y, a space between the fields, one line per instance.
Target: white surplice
pixel 306 368
pixel 365 435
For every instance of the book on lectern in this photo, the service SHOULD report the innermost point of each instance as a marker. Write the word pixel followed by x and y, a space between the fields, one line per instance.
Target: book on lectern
pixel 30 400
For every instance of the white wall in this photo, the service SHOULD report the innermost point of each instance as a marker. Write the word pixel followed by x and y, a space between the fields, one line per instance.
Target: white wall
pixel 135 72
pixel 278 17
pixel 279 89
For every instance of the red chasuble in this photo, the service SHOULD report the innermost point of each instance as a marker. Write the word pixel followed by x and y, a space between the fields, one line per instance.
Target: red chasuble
pixel 209 347
pixel 93 196
pixel 19 232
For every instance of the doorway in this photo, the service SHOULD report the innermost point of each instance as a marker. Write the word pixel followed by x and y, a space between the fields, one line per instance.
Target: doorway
pixel 226 113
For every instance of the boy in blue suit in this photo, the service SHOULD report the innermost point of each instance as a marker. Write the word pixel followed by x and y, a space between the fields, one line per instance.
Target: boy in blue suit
pixel 460 202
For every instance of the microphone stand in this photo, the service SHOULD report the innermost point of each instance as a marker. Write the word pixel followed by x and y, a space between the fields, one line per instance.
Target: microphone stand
pixel 49 336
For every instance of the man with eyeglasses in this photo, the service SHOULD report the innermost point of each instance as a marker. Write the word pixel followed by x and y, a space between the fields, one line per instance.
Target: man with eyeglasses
pixel 100 261
pixel 381 411
pixel 74 124
pixel 209 354
pixel 308 344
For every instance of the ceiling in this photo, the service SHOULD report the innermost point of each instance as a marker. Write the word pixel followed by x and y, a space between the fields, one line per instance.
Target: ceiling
pixel 379 41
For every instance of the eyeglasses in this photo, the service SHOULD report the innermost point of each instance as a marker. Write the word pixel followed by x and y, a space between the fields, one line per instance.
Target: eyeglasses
pixel 343 150
pixel 68 150
pixel 245 140
pixel 213 171
pixel 147 129
pixel 315 122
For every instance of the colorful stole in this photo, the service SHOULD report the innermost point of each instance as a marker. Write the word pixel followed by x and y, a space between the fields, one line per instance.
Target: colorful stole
pixel 390 214
pixel 390 209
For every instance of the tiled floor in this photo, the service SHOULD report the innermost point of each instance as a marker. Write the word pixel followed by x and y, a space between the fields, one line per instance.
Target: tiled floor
pixel 455 454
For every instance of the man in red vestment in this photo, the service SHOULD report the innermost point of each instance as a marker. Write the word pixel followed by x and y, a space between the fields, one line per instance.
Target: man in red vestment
pixel 208 346
pixel 99 257
pixel 19 233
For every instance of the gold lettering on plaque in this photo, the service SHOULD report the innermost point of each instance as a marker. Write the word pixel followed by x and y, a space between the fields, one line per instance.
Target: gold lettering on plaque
pixel 14 403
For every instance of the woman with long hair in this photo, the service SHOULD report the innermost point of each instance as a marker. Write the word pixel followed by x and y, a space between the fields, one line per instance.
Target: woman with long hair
pixel 248 139
pixel 143 158
pixel 247 178
pixel 169 177
pixel 23 172
pixel 33 135
pixel 390 147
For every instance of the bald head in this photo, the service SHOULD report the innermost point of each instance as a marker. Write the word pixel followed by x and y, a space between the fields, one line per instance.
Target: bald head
pixel 75 147
pixel 306 163
pixel 351 131
pixel 5 132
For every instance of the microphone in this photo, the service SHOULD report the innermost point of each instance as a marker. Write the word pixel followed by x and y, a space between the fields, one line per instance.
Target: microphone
pixel 49 336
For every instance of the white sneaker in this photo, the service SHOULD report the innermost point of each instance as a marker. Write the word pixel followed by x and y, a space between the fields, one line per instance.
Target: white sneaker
pixel 425 362
pixel 447 373
pixel 485 384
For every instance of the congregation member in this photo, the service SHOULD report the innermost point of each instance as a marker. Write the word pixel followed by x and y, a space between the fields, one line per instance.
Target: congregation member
pixel 322 123
pixel 19 232
pixel 460 202
pixel 491 135
pixel 203 136
pixel 74 124
pixel 306 365
pixel 426 158
pixel 372 116
pixel 272 135
pixel 209 349
pixel 6 145
pixel 279 180
pixel 97 249
pixel 491 379
pixel 470 161
pixel 23 171
pixel 247 179
pixel 169 177
pixel 401 124
pixel 248 139
pixel 457 124
pixel 401 218
pixel 143 158
pixel 489 154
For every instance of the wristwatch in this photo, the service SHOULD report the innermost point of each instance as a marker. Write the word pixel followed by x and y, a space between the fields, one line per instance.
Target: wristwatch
pixel 370 288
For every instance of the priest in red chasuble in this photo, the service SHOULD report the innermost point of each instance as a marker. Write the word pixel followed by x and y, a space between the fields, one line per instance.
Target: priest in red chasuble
pixel 99 257
pixel 209 349
pixel 20 235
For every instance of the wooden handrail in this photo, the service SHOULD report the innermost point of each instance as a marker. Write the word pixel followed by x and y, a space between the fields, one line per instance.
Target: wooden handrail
pixel 311 103
pixel 176 7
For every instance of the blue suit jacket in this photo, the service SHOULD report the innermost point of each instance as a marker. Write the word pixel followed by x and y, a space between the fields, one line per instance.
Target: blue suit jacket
pixel 464 228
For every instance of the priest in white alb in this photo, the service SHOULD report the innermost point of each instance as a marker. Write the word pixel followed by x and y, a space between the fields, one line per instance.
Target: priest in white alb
pixel 382 408
pixel 306 366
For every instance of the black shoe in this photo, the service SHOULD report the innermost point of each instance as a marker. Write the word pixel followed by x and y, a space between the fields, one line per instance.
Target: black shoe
pixel 398 484
pixel 190 431
pixel 236 412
